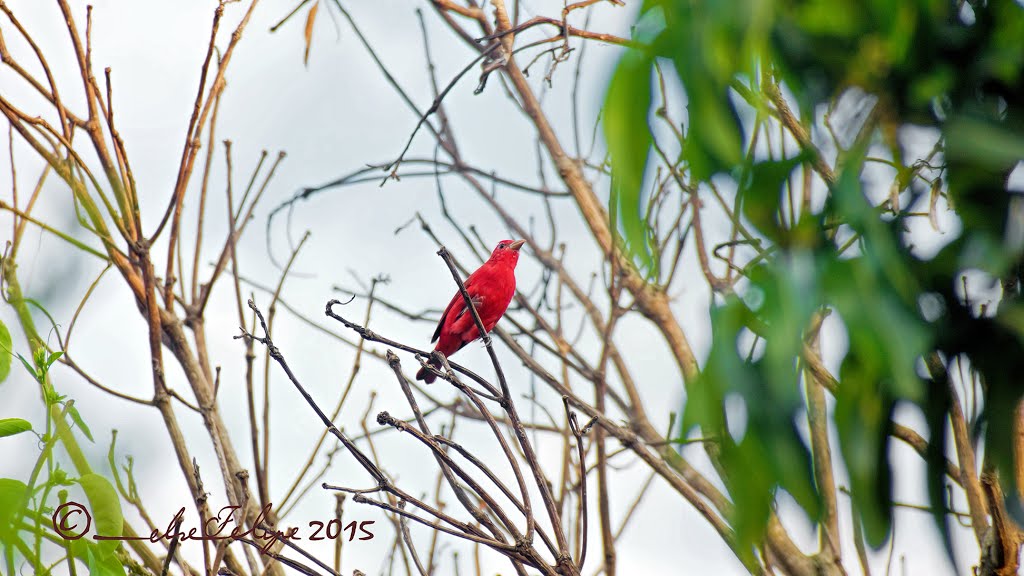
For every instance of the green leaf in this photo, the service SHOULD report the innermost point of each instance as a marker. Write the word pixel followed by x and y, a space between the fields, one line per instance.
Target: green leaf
pixel 714 140
pixel 771 444
pixel 28 366
pixel 724 370
pixel 937 405
pixel 12 494
pixel 12 426
pixel 752 494
pixel 106 509
pixel 788 459
pixel 981 154
pixel 98 562
pixel 791 295
pixel 983 143
pixel 77 418
pixel 888 335
pixel 6 352
pixel 862 413
pixel 761 190
pixel 710 46
pixel 101 563
pixel 629 140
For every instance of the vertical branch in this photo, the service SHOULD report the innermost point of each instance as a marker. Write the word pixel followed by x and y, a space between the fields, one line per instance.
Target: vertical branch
pixel 403 524
pixel 201 214
pixel 97 112
pixel 339 510
pixel 241 222
pixel 858 540
pixel 393 501
pixel 965 454
pixel 578 433
pixel 1018 448
pixel 124 167
pixel 250 354
pixel 817 420
pixel 198 119
pixel 563 352
pixel 438 485
pixel 161 397
pixel 261 475
pixel 1001 548
pixel 603 506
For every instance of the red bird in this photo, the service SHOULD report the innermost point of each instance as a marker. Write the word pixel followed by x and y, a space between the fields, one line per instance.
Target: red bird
pixel 491 289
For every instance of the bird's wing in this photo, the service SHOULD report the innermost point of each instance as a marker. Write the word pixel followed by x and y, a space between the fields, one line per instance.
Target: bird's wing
pixel 477 301
pixel 458 306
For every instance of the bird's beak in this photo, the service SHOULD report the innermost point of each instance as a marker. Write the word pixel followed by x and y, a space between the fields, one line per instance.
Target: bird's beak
pixel 517 245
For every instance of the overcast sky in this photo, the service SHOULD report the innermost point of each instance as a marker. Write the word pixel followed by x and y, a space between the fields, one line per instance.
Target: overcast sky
pixel 332 117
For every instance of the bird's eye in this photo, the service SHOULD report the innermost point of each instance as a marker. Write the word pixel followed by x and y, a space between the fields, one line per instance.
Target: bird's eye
pixel 502 245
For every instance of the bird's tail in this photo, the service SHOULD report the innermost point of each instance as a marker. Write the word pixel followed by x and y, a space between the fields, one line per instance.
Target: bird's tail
pixel 426 375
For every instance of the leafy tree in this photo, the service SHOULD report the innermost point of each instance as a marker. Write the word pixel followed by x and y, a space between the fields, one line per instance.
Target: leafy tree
pixel 822 235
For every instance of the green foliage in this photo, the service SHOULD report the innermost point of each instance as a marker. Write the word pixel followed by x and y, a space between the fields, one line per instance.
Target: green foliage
pixel 630 147
pixel 100 563
pixel 40 367
pixel 12 426
pixel 5 352
pixel 927 63
pixel 26 509
pixel 11 494
pixel 106 508
pixel 770 452
pixel 77 419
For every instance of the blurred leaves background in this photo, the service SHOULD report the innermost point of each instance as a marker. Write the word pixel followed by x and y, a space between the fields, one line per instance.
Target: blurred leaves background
pixel 952 67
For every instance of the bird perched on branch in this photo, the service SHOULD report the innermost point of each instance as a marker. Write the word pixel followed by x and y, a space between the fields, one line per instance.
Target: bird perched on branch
pixel 491 289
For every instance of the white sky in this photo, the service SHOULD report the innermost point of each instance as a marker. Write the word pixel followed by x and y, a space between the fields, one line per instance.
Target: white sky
pixel 332 117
